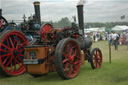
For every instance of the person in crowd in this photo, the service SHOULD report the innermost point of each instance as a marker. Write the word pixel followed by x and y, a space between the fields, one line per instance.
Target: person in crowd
pixel 126 39
pixel 109 37
pixel 115 38
pixel 94 38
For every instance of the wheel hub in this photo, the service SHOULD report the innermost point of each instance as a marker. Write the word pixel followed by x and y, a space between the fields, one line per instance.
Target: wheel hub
pixel 71 58
pixel 15 53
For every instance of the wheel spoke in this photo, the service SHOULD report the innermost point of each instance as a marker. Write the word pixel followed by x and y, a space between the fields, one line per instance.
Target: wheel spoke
pixel 21 45
pixel 8 62
pixel 20 59
pixel 71 49
pixel 74 53
pixel 17 44
pixel 15 40
pixel 99 63
pixel 65 60
pixel 11 42
pixel 6 59
pixel 5 55
pixel 77 62
pixel 8 42
pixel 6 46
pixel 66 67
pixel 96 64
pixel 4 50
pixel 18 63
pixel 64 54
pixel 95 55
pixel 70 69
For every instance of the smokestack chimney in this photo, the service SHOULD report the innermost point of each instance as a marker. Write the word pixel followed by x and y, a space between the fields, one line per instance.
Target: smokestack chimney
pixel 37 11
pixel 0 12
pixel 80 15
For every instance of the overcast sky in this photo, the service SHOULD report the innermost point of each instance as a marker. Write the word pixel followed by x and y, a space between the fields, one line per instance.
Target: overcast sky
pixel 94 10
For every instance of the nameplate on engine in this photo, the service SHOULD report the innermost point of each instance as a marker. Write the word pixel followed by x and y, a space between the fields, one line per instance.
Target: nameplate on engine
pixel 30 61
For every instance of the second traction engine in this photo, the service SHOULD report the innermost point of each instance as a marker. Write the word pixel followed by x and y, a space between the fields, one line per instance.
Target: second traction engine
pixel 62 50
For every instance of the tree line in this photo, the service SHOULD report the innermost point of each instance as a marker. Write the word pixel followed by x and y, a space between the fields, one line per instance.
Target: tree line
pixel 66 22
pixel 107 24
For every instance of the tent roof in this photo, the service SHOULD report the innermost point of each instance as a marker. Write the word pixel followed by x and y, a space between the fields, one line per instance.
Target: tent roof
pixel 95 29
pixel 120 28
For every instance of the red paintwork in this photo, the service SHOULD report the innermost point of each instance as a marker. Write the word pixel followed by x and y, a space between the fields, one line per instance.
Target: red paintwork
pixel 12 62
pixel 71 59
pixel 97 57
pixel 46 28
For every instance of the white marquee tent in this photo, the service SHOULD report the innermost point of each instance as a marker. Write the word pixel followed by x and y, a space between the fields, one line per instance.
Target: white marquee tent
pixel 120 28
pixel 95 30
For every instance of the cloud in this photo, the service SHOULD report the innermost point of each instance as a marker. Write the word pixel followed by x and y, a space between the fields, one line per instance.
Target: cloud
pixel 105 11
pixel 94 10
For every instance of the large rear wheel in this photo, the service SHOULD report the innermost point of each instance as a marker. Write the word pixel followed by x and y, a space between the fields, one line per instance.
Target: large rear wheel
pixel 12 52
pixel 67 58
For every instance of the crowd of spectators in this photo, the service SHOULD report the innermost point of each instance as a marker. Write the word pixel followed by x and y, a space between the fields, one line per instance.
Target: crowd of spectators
pixel 113 38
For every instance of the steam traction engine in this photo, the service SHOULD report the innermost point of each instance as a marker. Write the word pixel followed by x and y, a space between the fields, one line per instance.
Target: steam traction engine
pixel 11 49
pixel 12 41
pixel 46 49
pixel 62 50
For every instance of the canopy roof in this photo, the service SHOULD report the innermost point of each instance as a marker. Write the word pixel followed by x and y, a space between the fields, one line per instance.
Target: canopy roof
pixel 94 30
pixel 120 28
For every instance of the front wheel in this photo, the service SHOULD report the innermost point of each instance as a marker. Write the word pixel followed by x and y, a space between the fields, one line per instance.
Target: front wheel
pixel 12 44
pixel 67 58
pixel 96 58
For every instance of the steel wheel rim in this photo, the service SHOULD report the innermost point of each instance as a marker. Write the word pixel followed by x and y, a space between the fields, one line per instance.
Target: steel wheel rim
pixel 97 58
pixel 12 53
pixel 71 59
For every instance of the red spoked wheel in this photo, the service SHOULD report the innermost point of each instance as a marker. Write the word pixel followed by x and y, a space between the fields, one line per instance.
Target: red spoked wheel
pixel 12 52
pixel 67 58
pixel 96 58
pixel 45 29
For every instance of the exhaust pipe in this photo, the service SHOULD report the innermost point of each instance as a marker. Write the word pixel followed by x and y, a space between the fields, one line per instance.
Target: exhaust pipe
pixel 37 11
pixel 0 12
pixel 80 17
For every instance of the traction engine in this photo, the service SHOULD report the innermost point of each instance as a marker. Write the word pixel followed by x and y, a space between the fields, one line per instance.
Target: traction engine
pixel 45 49
pixel 61 50
pixel 12 41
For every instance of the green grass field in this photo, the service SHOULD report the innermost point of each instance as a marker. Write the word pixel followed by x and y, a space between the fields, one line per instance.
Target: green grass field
pixel 115 73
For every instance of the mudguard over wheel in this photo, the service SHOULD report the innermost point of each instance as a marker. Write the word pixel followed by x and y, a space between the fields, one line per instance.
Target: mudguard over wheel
pixel 96 58
pixel 12 52
pixel 67 58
